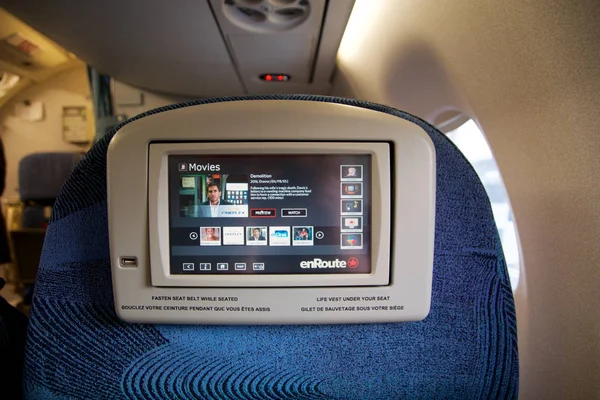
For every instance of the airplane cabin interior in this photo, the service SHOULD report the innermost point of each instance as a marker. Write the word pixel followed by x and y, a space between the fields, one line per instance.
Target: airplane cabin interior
pixel 299 199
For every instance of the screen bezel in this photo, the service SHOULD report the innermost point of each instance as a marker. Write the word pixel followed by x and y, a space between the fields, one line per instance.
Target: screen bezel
pixel 158 213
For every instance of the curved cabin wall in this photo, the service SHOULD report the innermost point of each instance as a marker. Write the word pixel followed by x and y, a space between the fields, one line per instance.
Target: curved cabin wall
pixel 527 72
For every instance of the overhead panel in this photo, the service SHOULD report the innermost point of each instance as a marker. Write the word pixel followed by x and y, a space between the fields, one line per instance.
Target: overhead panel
pixel 271 37
pixel 199 48
pixel 169 47
pixel 26 52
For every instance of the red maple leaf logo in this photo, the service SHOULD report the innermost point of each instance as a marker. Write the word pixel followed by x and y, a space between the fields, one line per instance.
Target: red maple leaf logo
pixel 353 262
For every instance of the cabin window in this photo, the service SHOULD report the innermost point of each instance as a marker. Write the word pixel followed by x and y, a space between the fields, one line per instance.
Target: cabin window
pixel 471 141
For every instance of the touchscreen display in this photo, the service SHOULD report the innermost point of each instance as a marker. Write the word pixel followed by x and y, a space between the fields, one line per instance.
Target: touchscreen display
pixel 270 214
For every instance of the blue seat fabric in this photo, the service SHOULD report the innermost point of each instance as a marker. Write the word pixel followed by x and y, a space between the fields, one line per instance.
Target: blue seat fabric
pixel 41 175
pixel 466 348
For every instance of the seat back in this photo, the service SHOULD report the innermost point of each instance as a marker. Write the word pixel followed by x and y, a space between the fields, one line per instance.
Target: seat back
pixel 466 347
pixel 27 249
pixel 41 176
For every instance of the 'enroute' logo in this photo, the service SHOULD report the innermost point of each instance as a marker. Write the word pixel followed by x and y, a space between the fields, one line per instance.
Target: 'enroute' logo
pixel 318 263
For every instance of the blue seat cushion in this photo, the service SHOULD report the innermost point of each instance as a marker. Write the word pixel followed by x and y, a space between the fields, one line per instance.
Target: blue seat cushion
pixel 466 348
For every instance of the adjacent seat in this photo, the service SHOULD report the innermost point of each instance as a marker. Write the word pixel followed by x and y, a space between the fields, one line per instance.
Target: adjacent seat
pixel 466 348
pixel 41 176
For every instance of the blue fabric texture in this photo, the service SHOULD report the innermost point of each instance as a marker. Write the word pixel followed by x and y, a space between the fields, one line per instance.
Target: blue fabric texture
pixel 41 175
pixel 466 348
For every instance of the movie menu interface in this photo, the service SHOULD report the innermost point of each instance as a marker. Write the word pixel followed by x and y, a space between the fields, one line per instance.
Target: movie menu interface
pixel 270 214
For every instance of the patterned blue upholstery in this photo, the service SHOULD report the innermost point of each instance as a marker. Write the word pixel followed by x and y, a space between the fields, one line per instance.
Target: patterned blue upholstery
pixel 465 349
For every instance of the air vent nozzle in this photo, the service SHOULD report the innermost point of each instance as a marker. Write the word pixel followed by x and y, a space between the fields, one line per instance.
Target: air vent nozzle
pixel 266 16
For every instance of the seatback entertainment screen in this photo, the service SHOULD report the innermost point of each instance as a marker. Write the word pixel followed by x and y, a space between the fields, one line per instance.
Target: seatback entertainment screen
pixel 270 214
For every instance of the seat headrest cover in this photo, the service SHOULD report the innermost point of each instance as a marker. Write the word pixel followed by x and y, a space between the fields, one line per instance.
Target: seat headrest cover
pixel 466 348
pixel 41 175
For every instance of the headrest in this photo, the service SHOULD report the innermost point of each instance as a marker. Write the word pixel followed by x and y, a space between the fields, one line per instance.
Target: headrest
pixel 41 175
pixel 465 348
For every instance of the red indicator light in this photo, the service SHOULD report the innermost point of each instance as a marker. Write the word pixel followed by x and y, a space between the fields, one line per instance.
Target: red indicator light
pixel 275 77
